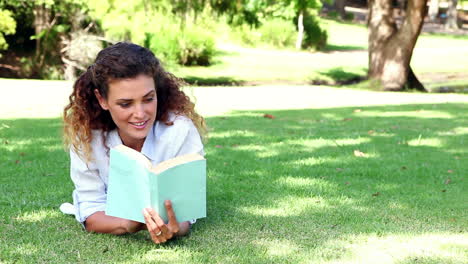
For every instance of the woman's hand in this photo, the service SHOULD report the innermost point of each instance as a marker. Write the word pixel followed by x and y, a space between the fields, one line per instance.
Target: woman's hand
pixel 159 231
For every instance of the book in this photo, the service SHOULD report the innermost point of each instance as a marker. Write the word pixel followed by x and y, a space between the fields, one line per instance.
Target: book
pixel 135 184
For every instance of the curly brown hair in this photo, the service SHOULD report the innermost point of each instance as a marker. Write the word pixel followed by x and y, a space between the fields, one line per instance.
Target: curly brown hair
pixel 120 61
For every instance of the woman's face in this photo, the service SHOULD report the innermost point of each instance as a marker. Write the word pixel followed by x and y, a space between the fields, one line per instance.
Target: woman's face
pixel 132 104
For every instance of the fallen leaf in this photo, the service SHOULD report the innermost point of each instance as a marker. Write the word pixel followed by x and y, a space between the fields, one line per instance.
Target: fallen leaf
pixel 235 145
pixel 444 190
pixel 347 119
pixel 395 127
pixel 22 154
pixel 339 169
pixel 450 171
pixel 370 132
pixel 357 110
pixel 268 116
pixel 376 194
pixel 346 183
pixel 403 168
pixel 358 153
pixel 448 181
pixel 6 142
pixel 453 219
pixel 457 157
pixel 218 146
pixel 17 161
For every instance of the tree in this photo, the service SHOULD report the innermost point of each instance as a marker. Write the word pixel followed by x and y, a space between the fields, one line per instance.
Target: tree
pixel 390 47
pixel 433 9
pixel 452 15
pixel 7 27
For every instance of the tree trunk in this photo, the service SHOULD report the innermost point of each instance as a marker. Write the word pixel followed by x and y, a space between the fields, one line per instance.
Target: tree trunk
pixel 300 30
pixel 390 48
pixel 340 8
pixel 41 22
pixel 433 10
pixel 452 16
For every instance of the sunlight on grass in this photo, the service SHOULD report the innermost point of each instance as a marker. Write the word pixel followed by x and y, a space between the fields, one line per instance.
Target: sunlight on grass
pixel 443 248
pixel 418 114
pixel 454 131
pixel 162 255
pixel 320 143
pixel 26 249
pixel 232 133
pixel 289 205
pixel 429 142
pixel 277 247
pixel 37 216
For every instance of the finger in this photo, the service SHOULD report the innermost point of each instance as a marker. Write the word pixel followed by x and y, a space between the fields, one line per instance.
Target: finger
pixel 155 216
pixel 173 224
pixel 152 226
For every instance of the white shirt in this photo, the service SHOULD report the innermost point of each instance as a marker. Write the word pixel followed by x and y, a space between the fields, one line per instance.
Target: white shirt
pixel 162 142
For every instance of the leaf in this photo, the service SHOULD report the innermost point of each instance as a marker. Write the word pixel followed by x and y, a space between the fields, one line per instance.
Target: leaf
pixel 268 116
pixel 448 181
pixel 347 119
pixel 339 169
pixel 450 171
pixel 218 146
pixel 235 145
pixel 22 154
pixel 358 153
pixel 376 194
pixel 444 190
pixel 17 161
pixel 457 157
pixel 404 168
pixel 346 183
pixel 370 132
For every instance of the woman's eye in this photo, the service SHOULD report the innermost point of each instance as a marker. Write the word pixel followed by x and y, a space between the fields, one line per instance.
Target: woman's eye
pixel 149 99
pixel 124 105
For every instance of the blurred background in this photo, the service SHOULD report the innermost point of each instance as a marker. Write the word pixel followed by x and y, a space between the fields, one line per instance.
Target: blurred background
pixel 244 42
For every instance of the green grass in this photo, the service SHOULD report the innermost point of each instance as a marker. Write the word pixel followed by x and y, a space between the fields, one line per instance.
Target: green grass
pixel 282 190
pixel 346 51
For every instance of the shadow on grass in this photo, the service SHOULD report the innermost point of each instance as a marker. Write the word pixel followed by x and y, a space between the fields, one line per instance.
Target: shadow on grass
pixel 282 190
pixel 213 81
pixel 331 47
pixel 337 76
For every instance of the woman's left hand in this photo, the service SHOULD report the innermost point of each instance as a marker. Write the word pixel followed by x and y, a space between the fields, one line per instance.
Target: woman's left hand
pixel 159 231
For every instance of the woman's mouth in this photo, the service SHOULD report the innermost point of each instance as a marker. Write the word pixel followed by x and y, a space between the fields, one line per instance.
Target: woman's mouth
pixel 139 125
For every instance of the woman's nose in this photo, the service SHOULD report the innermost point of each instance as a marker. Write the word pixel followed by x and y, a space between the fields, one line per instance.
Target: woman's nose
pixel 139 111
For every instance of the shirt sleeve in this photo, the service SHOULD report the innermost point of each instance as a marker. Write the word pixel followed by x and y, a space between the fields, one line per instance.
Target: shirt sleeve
pixel 191 143
pixel 89 195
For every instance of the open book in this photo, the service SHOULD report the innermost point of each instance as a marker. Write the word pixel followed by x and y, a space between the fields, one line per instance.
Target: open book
pixel 135 184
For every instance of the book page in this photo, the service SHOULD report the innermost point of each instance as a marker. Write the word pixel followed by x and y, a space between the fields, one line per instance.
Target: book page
pixel 176 161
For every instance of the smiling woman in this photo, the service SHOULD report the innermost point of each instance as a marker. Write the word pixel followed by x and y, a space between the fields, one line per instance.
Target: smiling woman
pixel 126 97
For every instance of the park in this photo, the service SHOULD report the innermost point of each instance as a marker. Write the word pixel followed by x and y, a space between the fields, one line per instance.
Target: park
pixel 326 146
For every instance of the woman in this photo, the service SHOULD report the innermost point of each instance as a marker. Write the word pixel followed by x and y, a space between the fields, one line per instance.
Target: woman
pixel 127 98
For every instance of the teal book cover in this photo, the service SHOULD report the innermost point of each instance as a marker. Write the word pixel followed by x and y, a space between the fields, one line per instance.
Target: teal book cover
pixel 135 184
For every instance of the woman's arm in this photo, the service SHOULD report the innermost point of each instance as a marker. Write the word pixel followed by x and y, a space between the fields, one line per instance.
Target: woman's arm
pixel 99 222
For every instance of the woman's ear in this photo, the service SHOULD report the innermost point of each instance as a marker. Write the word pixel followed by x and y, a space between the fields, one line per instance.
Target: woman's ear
pixel 102 101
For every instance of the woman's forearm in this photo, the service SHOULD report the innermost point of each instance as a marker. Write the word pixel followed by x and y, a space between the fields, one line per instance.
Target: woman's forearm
pixel 99 222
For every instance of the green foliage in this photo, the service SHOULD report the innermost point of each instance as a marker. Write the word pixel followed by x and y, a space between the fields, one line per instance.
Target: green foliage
pixel 7 27
pixel 315 35
pixel 278 33
pixel 190 46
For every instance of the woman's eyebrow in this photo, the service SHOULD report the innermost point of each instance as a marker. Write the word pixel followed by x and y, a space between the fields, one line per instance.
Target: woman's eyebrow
pixel 153 91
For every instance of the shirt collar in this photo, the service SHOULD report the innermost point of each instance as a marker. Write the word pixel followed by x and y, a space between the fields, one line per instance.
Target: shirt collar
pixel 148 148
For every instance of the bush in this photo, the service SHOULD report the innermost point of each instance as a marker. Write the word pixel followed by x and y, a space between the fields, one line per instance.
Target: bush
pixel 315 37
pixel 189 47
pixel 278 33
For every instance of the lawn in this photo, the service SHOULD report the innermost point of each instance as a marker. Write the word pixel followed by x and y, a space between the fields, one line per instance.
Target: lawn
pixel 337 176
pixel 345 58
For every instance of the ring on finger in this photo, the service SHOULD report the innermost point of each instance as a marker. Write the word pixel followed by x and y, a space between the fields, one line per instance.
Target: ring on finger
pixel 159 233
